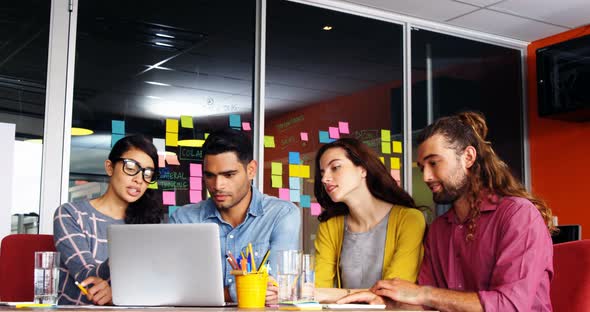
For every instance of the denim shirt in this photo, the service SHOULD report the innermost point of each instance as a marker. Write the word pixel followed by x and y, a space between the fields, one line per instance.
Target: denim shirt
pixel 270 223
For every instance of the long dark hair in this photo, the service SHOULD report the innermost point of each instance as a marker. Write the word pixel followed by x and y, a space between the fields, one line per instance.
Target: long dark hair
pixel 379 182
pixel 488 172
pixel 147 208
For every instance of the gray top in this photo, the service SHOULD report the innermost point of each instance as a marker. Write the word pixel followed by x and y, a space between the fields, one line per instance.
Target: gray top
pixel 80 234
pixel 361 260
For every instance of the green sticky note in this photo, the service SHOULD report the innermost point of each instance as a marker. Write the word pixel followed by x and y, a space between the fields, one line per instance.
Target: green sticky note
pixel 277 181
pixel 385 135
pixel 153 186
pixel 186 122
pixel 276 168
pixel 386 147
pixel 397 147
pixel 269 141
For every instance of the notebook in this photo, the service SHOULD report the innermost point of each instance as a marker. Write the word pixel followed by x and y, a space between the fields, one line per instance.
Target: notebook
pixel 165 265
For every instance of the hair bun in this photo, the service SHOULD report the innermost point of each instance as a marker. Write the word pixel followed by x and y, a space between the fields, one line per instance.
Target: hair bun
pixel 476 121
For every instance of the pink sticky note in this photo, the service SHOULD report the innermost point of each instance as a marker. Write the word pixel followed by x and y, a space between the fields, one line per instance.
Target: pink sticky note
pixel 196 170
pixel 172 160
pixel 161 161
pixel 304 136
pixel 316 209
pixel 169 198
pixel 396 176
pixel 246 126
pixel 284 194
pixel 195 196
pixel 196 183
pixel 343 127
pixel 334 134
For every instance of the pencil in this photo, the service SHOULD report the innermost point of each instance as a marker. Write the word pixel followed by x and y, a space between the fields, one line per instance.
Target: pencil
pixel 252 260
pixel 84 290
pixel 231 263
pixel 263 262
pixel 233 259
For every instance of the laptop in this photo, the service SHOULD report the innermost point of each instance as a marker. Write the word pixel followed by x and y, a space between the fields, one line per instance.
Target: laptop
pixel 165 265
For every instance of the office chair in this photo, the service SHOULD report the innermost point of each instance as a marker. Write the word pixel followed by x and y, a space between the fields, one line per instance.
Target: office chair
pixel 17 264
pixel 571 280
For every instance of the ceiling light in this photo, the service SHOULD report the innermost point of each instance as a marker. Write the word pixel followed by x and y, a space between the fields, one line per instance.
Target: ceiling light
pixel 81 131
pixel 191 143
pixel 157 83
pixel 327 27
pixel 164 36
pixel 164 44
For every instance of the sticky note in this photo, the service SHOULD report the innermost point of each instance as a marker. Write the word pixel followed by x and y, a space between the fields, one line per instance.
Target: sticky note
pixel 160 145
pixel 246 126
pixel 316 209
pixel 153 186
pixel 395 164
pixel 169 198
pixel 186 122
pixel 294 183
pixel 172 159
pixel 395 174
pixel 269 141
pixel 343 127
pixel 196 183
pixel 116 137
pixel 294 170
pixel 118 126
pixel 304 171
pixel 171 210
pixel 385 135
pixel 305 201
pixel 276 181
pixel 294 195
pixel 195 196
pixel 386 147
pixel 161 161
pixel 276 168
pixel 304 136
pixel 171 139
pixel 397 147
pixel 294 158
pixel 196 170
pixel 325 137
pixel 333 132
pixel 284 193
pixel 172 125
pixel 235 121
pixel 382 160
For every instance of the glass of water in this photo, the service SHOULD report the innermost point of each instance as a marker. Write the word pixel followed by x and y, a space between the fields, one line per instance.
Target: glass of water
pixel 288 274
pixel 46 276
pixel 307 278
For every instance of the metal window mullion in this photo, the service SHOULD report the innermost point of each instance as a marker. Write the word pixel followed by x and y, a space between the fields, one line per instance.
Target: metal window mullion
pixel 259 90
pixel 407 108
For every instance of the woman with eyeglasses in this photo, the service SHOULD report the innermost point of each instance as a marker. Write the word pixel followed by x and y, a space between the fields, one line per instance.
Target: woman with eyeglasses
pixel 80 227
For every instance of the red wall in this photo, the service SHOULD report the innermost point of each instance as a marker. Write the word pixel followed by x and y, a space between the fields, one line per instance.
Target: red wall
pixel 560 151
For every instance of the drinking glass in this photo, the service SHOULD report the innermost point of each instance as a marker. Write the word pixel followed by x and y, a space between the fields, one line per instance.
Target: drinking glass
pixel 46 277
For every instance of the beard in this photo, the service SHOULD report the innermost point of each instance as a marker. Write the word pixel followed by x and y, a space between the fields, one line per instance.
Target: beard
pixel 450 191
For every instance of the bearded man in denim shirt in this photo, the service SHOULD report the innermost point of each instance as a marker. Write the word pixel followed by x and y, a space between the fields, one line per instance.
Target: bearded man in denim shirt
pixel 244 215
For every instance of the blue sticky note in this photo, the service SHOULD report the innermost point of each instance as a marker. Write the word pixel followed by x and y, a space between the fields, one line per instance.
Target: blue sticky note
pixel 294 158
pixel 171 210
pixel 325 137
pixel 305 201
pixel 294 195
pixel 116 137
pixel 294 183
pixel 235 121
pixel 118 126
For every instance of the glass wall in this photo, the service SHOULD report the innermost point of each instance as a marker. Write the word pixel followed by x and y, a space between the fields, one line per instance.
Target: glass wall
pixel 328 75
pixel 174 71
pixel 24 39
pixel 452 74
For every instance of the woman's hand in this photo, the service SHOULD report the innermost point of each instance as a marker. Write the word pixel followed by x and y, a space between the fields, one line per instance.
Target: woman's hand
pixel 100 293
pixel 272 291
pixel 362 297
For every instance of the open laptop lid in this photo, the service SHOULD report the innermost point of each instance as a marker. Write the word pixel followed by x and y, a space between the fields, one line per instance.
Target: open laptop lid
pixel 165 264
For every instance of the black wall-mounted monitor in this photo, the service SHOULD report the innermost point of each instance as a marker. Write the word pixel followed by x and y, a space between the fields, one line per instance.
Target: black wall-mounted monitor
pixel 563 80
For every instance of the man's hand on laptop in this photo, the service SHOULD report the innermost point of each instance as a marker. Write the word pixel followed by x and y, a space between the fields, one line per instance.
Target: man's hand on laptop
pixel 272 291
pixel 100 292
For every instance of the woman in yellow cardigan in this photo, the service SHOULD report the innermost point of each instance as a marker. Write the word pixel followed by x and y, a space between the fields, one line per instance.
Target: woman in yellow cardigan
pixel 369 227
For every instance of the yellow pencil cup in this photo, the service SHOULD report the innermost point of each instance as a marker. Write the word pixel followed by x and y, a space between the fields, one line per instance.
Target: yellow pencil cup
pixel 251 289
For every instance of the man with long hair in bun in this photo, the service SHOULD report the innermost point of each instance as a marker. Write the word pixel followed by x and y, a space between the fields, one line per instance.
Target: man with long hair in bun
pixel 492 250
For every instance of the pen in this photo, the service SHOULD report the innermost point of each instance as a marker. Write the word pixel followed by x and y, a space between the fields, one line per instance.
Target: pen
pixel 253 261
pixel 233 259
pixel 84 290
pixel 34 305
pixel 231 263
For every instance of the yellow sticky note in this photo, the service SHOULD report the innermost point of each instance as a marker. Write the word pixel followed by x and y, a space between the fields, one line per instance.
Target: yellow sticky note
pixel 206 135
pixel 397 147
pixel 304 171
pixel 153 186
pixel 294 170
pixel 276 168
pixel 277 181
pixel 171 139
pixel 382 160
pixel 385 135
pixel 186 122
pixel 269 141
pixel 395 163
pixel 172 125
pixel 386 147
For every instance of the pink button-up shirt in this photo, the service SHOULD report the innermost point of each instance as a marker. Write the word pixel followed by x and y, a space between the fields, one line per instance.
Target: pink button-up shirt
pixel 509 263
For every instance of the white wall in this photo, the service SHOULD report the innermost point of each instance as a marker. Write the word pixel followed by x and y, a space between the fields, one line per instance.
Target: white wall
pixel 26 186
pixel 7 132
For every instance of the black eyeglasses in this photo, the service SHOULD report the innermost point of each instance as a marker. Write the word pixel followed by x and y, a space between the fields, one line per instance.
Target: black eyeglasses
pixel 132 167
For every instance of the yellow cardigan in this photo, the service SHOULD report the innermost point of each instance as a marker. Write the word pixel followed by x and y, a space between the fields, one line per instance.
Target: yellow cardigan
pixel 403 247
